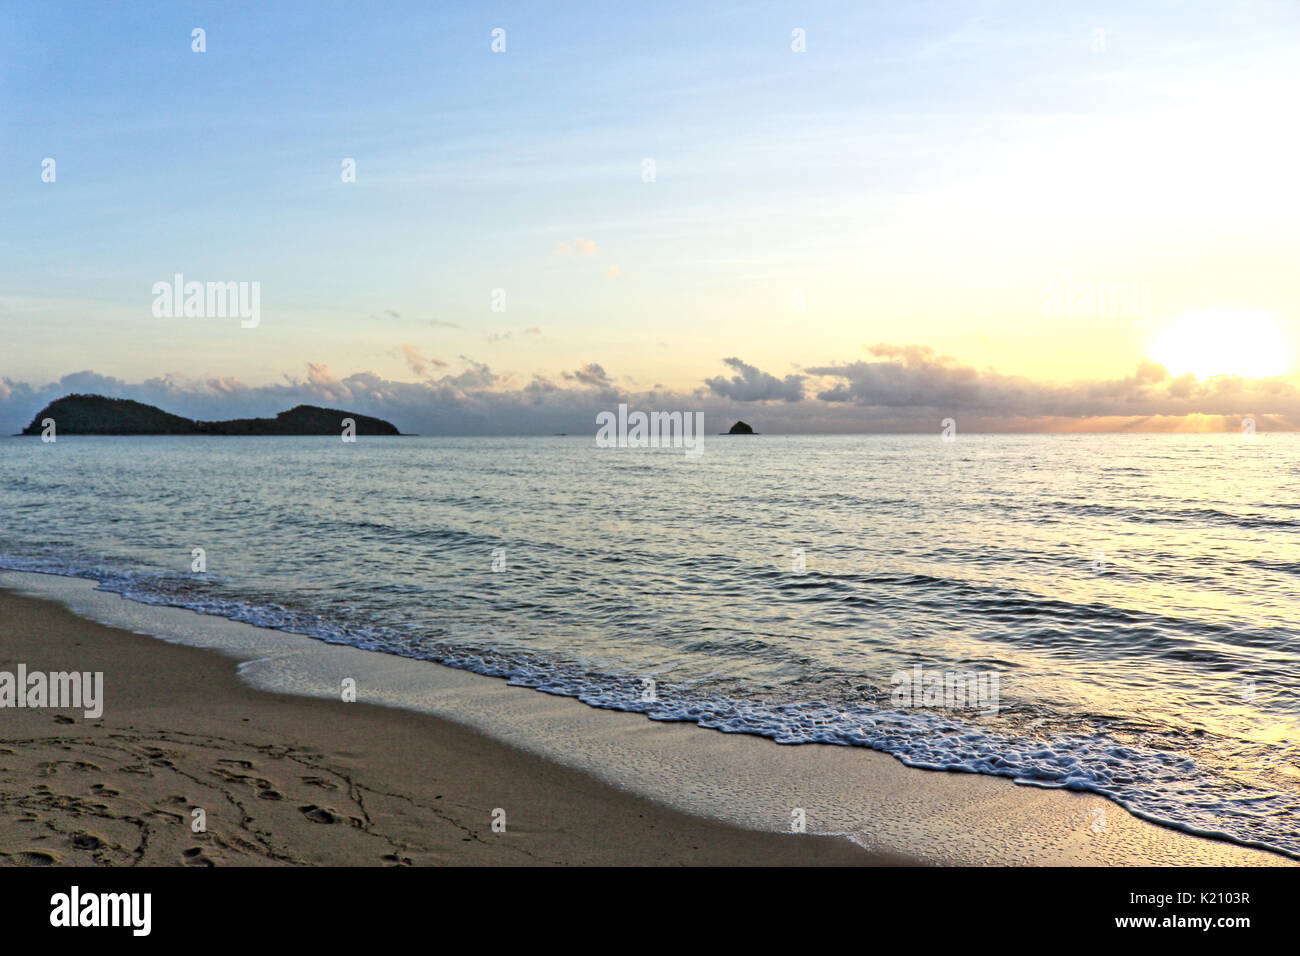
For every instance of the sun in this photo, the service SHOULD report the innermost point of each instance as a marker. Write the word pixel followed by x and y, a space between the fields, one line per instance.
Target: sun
pixel 1224 342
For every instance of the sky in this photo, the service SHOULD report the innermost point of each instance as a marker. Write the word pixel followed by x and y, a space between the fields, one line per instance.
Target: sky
pixel 830 216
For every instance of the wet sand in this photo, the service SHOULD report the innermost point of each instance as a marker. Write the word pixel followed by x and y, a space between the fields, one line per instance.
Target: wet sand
pixel 247 724
pixel 292 780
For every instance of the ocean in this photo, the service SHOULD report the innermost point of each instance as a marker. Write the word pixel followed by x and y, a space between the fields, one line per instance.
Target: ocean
pixel 1130 601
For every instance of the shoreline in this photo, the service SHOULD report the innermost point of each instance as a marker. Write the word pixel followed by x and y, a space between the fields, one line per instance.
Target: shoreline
pixel 292 780
pixel 733 793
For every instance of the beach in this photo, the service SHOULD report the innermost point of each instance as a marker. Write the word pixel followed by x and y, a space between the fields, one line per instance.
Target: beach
pixel 286 778
pixel 297 781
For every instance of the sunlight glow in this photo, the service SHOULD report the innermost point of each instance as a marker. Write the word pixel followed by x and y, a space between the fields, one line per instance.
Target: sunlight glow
pixel 1224 342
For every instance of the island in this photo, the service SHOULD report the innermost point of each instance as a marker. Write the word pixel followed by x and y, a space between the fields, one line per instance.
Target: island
pixel 99 415
pixel 740 428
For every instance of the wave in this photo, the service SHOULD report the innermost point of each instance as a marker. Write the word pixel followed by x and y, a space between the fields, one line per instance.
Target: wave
pixel 1151 781
pixel 1168 514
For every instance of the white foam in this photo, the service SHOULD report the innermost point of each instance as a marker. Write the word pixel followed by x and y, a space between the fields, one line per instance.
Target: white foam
pixel 737 777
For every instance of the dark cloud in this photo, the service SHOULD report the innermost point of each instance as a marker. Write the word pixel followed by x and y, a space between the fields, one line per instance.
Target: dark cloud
pixel 915 378
pixel 591 375
pixel 898 389
pixel 755 385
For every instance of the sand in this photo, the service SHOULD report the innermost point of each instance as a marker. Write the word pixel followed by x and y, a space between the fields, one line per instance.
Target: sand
pixel 292 780
pixel 247 724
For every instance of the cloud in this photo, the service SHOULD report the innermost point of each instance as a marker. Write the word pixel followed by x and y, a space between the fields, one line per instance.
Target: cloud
pixel 585 247
pixel 612 272
pixel 228 385
pixel 591 375
pixel 397 316
pixel 897 388
pixel 508 335
pixel 475 375
pixel 755 385
pixel 916 379
pixel 320 375
pixel 418 363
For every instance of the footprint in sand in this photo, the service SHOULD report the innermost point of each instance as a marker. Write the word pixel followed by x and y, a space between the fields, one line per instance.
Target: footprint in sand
pixel 168 815
pixel 86 841
pixel 194 857
pixel 258 783
pixel 33 858
pixel 320 782
pixel 317 814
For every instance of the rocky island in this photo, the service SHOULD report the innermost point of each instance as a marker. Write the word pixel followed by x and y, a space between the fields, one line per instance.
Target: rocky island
pixel 98 415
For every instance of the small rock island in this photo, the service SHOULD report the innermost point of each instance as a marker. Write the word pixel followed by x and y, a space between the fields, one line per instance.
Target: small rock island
pixel 98 415
pixel 740 428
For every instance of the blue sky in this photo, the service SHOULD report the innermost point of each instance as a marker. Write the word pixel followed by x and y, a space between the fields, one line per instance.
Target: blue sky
pixel 918 176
